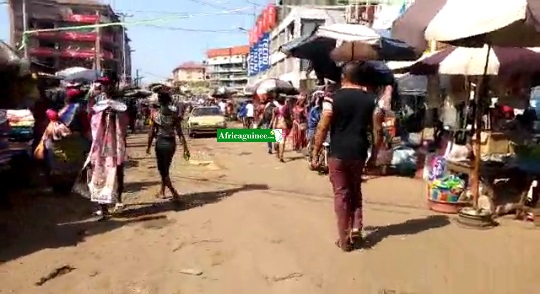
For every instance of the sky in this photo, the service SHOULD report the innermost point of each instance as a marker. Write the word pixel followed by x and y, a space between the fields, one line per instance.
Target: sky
pixel 187 28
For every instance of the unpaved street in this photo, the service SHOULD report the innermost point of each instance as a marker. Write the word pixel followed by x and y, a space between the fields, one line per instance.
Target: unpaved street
pixel 253 225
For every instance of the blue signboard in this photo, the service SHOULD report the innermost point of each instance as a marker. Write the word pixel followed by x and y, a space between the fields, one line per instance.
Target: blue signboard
pixel 264 53
pixel 253 66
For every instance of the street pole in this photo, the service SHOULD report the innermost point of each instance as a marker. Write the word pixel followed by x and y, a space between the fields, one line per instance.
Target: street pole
pixel 124 47
pixel 25 29
pixel 137 77
pixel 124 62
pixel 98 45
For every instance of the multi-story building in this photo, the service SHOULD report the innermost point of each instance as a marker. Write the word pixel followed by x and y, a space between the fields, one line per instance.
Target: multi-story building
pixel 298 22
pixel 106 48
pixel 189 72
pixel 227 67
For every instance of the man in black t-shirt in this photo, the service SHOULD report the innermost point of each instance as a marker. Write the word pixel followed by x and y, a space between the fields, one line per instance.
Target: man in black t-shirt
pixel 349 116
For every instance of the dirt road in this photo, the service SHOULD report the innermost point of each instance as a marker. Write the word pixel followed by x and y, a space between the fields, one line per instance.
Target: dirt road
pixel 253 225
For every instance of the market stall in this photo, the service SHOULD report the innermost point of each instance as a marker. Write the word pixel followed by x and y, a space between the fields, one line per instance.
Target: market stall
pixel 504 139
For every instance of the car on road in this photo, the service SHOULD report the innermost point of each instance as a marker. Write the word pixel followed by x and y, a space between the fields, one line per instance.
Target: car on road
pixel 205 120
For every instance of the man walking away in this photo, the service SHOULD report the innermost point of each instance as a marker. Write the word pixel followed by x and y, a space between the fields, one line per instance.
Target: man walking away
pixel 250 114
pixel 349 115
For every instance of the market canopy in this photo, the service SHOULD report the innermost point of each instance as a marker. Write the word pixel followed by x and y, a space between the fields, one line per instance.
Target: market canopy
pixel 345 42
pixel 468 23
pixel 504 61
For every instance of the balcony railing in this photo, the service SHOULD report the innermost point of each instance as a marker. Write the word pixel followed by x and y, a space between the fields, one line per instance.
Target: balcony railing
pixel 71 53
pixel 75 36
pixel 83 18
pixel 226 70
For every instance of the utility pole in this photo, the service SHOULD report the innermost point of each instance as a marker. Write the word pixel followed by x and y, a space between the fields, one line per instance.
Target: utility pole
pixel 124 46
pixel 97 64
pixel 25 29
pixel 138 78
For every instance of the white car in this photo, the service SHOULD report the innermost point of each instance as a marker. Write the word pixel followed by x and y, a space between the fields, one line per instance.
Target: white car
pixel 205 120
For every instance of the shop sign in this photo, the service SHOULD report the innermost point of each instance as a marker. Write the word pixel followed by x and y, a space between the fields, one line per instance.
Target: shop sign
pixel 264 53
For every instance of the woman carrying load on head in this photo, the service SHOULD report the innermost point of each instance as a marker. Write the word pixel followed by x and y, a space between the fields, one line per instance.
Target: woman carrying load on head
pixel 65 142
pixel 107 155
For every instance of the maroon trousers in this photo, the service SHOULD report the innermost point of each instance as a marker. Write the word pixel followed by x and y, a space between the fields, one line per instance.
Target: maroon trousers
pixel 346 179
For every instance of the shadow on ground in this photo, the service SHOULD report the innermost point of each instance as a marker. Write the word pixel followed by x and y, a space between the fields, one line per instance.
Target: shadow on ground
pixel 188 201
pixel 409 227
pixel 132 187
pixel 40 221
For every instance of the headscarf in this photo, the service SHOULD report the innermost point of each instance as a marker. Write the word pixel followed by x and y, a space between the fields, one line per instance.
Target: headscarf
pixel 104 81
pixel 72 94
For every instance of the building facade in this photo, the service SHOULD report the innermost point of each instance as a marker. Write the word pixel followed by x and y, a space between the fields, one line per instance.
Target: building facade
pixel 105 49
pixel 299 22
pixel 227 67
pixel 189 72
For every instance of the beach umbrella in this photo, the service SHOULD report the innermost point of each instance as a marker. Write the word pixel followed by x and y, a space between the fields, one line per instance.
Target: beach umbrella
pixel 346 42
pixel 78 74
pixel 470 23
pixel 504 61
pixel 223 92
pixel 264 86
pixel 138 93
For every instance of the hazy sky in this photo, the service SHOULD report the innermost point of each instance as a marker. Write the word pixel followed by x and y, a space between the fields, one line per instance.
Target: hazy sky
pixel 183 34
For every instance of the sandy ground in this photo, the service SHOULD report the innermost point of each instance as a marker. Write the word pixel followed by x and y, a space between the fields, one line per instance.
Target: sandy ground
pixel 253 225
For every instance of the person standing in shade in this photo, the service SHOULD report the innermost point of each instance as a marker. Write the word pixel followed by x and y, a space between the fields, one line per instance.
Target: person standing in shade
pixel 266 119
pixel 250 114
pixel 166 125
pixel 349 115
pixel 223 106
pixel 282 120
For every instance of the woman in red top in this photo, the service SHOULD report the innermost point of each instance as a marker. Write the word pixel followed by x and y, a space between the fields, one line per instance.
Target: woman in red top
pixel 281 119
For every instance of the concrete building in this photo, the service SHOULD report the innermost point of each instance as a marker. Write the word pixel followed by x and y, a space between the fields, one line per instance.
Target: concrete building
pixel 189 72
pixel 299 21
pixel 226 67
pixel 105 49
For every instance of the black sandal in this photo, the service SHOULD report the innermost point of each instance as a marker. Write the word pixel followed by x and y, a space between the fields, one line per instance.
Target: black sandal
pixel 345 247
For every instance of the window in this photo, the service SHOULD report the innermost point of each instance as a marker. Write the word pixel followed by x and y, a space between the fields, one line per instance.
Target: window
pixel 47 44
pixel 39 24
pixel 307 27
pixel 290 32
pixel 48 61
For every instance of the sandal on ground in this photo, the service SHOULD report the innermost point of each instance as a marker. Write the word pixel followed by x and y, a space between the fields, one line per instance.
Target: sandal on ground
pixel 356 238
pixel 118 208
pixel 160 195
pixel 344 247
pixel 176 198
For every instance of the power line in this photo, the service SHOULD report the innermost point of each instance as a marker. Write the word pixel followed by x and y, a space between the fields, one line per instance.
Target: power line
pixel 194 30
pixel 204 3
pixel 253 3
pixel 175 12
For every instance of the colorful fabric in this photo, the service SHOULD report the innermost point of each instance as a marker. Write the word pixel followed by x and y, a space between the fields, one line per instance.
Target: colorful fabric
pixel 64 142
pixel 108 151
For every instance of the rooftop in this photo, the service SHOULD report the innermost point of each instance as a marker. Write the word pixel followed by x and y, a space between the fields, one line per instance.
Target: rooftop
pixel 236 50
pixel 189 65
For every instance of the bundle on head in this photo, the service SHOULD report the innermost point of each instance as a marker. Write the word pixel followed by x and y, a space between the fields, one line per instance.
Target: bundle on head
pixel 361 73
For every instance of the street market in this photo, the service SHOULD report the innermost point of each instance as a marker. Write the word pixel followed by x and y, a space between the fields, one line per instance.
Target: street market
pixel 404 152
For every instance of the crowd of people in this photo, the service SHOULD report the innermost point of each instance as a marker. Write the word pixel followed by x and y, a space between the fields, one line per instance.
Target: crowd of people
pixel 81 141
